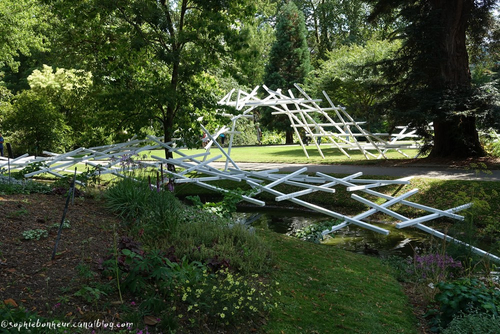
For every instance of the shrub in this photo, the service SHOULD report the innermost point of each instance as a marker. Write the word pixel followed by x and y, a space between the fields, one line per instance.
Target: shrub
pixel 464 296
pixel 10 186
pixel 198 293
pixel 160 220
pixel 476 323
pixel 226 297
pixel 272 138
pixel 146 211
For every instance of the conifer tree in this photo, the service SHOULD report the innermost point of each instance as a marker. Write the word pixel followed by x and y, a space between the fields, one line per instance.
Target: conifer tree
pixel 430 76
pixel 289 62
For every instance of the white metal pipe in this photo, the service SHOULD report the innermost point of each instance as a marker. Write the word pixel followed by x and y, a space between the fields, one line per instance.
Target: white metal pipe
pixel 448 238
pixel 433 216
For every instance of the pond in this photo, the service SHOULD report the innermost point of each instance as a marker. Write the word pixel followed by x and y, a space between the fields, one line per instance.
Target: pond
pixel 401 242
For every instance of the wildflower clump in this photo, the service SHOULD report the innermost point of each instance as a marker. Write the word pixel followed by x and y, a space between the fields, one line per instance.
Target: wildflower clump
pixel 435 267
pixel 227 297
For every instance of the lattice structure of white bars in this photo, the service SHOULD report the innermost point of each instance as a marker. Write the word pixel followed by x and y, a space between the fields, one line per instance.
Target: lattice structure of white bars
pixel 267 180
pixel 196 168
pixel 108 159
pixel 304 112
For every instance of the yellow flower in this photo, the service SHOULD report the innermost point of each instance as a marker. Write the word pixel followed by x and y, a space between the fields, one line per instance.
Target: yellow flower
pixel 222 315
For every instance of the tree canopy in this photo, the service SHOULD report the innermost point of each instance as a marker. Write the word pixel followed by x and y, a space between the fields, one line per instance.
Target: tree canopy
pixel 22 25
pixel 154 67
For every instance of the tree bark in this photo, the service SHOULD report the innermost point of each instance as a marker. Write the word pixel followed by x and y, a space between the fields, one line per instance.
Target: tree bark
pixel 455 136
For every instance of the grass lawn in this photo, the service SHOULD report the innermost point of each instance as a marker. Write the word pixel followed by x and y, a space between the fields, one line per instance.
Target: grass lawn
pixel 328 290
pixel 292 154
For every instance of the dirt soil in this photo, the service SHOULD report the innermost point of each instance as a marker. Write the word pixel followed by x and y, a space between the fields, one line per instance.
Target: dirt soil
pixel 28 276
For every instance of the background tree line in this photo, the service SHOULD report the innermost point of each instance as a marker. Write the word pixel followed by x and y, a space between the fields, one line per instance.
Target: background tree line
pixel 87 73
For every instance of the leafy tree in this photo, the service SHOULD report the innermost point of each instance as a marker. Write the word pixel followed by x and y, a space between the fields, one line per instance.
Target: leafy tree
pixel 289 62
pixel 22 23
pixel 333 23
pixel 249 66
pixel 430 77
pixel 35 125
pixel 152 59
pixel 350 78
pixel 47 116
pixel 66 90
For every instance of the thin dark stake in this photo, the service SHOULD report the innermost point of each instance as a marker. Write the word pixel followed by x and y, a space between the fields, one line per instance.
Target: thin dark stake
pixel 70 193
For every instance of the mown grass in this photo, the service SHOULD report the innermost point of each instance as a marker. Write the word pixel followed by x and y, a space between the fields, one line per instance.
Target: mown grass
pixel 327 290
pixel 293 154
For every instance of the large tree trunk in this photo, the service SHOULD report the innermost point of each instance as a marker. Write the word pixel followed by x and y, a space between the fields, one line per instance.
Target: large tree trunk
pixel 455 136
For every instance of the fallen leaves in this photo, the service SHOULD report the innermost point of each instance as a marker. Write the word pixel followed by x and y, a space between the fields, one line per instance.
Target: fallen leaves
pixel 10 302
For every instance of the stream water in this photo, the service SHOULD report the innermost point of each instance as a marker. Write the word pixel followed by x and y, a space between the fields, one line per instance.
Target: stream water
pixel 401 242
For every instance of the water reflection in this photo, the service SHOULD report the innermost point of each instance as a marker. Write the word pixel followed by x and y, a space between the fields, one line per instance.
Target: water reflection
pixel 402 242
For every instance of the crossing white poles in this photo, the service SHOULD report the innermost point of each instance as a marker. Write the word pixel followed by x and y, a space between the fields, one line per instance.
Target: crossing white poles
pixel 299 111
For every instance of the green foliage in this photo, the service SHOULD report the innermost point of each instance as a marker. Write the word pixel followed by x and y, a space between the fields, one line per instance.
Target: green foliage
pixel 247 133
pixel 224 208
pixel 37 125
pixel 441 93
pixel 90 294
pixel 463 296
pixel 474 323
pixel 35 234
pixel 158 72
pixel 62 84
pixel 161 221
pixel 141 206
pixel 350 76
pixel 204 236
pixel 188 288
pixel 272 138
pixel 65 225
pixel 401 267
pixel 30 168
pixel 18 316
pixel 26 187
pixel 21 29
pixel 226 297
pixel 289 61
pixel 334 23
pixel 313 233
pixel 491 143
